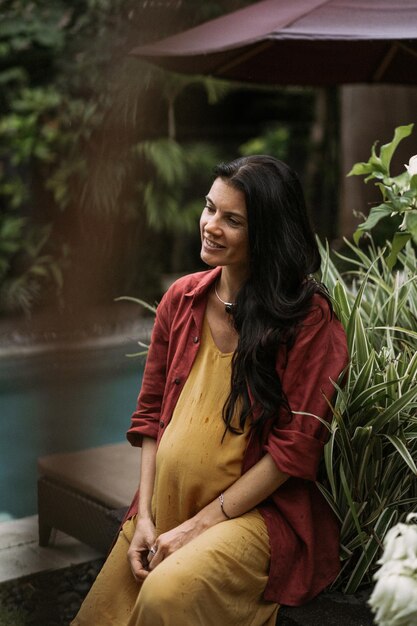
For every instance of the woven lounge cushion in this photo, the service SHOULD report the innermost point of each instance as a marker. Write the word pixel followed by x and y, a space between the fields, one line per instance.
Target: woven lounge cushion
pixel 108 474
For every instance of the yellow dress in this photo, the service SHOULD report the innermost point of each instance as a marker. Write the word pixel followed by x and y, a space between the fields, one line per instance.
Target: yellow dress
pixel 218 578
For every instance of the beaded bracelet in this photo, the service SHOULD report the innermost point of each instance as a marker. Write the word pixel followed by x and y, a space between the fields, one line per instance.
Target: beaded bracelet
pixel 221 498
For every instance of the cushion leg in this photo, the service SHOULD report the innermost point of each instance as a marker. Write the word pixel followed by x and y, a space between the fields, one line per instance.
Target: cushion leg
pixel 44 533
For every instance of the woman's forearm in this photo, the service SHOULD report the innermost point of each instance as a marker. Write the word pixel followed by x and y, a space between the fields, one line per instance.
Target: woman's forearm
pixel 246 493
pixel 147 477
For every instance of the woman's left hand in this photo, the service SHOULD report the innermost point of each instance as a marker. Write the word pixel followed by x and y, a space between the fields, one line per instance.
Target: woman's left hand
pixel 169 542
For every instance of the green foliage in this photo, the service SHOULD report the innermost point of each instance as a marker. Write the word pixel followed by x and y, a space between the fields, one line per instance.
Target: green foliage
pixel 29 140
pixel 23 24
pixel 72 136
pixel 25 264
pixel 28 135
pixel 399 194
pixel 30 34
pixel 369 475
pixel 172 170
pixel 274 141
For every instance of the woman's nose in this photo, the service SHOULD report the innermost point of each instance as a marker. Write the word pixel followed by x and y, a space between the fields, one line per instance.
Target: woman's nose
pixel 212 224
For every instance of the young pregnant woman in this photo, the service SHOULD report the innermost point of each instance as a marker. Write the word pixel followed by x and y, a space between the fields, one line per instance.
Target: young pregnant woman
pixel 228 523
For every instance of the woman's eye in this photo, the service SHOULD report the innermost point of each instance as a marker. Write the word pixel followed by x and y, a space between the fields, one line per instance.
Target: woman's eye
pixel 209 209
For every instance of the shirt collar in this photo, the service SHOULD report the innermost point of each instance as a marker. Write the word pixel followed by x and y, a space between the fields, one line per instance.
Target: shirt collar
pixel 205 282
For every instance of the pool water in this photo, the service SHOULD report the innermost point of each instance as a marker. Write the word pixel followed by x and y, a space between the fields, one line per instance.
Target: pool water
pixel 57 403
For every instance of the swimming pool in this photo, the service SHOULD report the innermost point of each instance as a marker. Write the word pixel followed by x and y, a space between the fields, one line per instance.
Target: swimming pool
pixel 60 401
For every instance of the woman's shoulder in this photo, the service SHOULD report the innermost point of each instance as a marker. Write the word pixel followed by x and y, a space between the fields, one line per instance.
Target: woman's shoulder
pixel 319 331
pixel 321 319
pixel 188 284
pixel 320 309
pixel 317 310
pixel 320 316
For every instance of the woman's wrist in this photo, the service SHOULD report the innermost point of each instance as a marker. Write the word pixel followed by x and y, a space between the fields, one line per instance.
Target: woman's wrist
pixel 221 500
pixel 145 508
pixel 210 515
pixel 145 516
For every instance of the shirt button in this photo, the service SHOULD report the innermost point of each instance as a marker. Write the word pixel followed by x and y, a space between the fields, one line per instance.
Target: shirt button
pixel 161 424
pixel 195 339
pixel 177 381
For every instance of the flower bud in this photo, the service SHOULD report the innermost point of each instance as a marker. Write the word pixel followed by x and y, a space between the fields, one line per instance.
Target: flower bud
pixel 412 165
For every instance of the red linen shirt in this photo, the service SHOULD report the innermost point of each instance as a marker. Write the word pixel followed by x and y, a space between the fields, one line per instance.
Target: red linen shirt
pixel 303 532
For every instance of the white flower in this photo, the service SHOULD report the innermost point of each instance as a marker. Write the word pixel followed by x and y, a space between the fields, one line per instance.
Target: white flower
pixel 412 165
pixel 394 597
pixel 400 543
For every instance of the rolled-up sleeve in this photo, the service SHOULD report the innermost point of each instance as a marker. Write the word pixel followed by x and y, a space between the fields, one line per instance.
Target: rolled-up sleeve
pixel 145 420
pixel 317 358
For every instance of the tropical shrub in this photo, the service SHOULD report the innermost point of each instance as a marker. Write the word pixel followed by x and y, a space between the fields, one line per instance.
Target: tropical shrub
pixel 399 193
pixel 369 473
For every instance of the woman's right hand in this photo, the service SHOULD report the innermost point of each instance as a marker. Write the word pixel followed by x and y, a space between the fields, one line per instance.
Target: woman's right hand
pixel 143 540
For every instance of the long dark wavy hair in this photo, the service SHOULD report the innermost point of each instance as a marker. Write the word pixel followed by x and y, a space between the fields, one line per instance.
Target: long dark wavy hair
pixel 277 295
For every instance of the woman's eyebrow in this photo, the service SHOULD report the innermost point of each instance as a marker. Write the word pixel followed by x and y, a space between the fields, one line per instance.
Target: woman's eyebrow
pixel 230 212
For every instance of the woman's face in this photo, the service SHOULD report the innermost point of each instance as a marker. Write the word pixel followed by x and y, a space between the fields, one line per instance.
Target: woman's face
pixel 224 228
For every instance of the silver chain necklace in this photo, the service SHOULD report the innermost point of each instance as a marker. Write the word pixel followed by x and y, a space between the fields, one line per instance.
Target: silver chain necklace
pixel 228 306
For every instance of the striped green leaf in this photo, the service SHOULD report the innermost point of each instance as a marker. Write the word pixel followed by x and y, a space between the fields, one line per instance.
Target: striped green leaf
pixel 384 523
pixel 394 409
pixel 401 446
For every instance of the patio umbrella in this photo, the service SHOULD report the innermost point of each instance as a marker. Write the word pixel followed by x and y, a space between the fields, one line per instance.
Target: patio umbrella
pixel 299 42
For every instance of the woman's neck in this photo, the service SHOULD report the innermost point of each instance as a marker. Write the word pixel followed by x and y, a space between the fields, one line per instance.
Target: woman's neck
pixel 229 284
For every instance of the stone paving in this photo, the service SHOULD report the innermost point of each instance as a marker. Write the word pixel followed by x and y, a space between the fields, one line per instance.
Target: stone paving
pixel 20 554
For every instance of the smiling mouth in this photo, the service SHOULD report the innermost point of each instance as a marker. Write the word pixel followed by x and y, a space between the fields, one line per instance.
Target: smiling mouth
pixel 212 245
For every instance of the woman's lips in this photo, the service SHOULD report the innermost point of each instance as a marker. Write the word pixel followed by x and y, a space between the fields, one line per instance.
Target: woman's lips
pixel 211 245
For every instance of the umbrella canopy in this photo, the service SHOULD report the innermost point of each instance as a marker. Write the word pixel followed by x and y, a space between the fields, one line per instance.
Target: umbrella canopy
pixel 299 42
